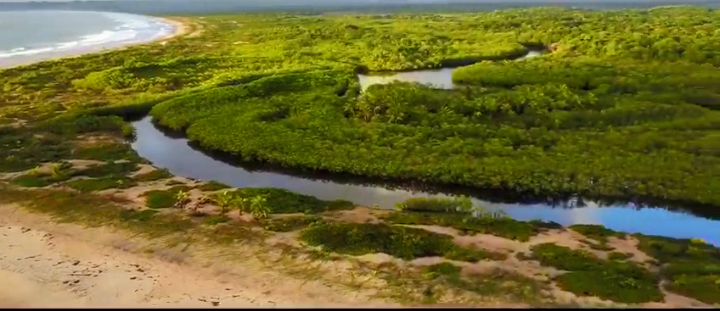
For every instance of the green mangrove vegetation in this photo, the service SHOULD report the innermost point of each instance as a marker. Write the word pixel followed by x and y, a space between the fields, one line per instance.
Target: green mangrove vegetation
pixel 624 104
pixel 620 89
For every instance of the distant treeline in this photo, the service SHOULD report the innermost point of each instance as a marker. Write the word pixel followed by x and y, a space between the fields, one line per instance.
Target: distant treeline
pixel 207 7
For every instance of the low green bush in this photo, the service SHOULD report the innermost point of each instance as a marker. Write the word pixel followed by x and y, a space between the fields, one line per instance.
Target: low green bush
pixel 619 256
pixel 163 198
pixel 499 226
pixel 99 184
pixel 401 242
pixel 214 220
pixel 590 276
pixel 108 169
pixel 287 224
pixel 282 201
pixel 596 232
pixel 692 266
pixel 153 176
pixel 436 205
pixel 213 186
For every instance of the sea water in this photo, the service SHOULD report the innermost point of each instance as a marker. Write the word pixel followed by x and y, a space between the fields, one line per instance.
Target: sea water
pixel 29 36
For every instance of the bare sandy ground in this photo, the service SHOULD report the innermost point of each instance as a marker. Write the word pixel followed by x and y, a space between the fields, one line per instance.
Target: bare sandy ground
pixel 44 264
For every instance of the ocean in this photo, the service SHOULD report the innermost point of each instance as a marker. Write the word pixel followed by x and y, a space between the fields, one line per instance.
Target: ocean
pixel 30 36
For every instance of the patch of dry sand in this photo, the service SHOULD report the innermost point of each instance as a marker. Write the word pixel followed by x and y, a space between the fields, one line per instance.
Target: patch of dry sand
pixel 44 264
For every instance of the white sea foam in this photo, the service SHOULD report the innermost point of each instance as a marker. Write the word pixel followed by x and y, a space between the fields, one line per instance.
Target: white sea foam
pixel 132 28
pixel 23 51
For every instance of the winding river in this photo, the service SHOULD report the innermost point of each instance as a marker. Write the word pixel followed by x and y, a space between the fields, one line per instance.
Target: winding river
pixel 182 158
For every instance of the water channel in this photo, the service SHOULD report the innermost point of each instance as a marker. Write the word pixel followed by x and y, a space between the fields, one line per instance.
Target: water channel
pixel 182 158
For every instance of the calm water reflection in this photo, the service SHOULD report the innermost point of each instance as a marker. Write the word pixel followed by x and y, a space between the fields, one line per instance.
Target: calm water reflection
pixel 437 78
pixel 176 155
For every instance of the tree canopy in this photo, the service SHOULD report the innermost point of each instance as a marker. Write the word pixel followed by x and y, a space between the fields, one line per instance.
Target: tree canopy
pixel 625 105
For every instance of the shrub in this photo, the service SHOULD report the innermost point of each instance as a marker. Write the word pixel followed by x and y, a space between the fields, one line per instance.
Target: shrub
pixel 619 256
pixel 108 169
pixel 153 176
pixel 282 201
pixel 99 184
pixel 692 266
pixel 163 198
pixel 214 220
pixel 401 242
pixel 106 152
pixel 436 205
pixel 132 215
pixel 590 276
pixel 596 232
pixel 502 227
pixel 213 186
pixel 444 269
pixel 287 224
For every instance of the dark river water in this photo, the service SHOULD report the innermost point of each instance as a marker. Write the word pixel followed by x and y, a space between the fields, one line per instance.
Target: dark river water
pixel 182 159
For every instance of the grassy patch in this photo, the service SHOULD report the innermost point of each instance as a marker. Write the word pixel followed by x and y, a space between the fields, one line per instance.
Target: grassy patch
pixel 213 186
pixel 444 269
pixel 105 176
pixel 500 283
pixel 564 258
pixel 668 249
pixel 499 226
pixel 108 169
pixel 705 288
pixel 619 256
pixel 12 164
pixel 94 210
pixel 626 285
pixel 496 283
pixel 287 224
pixel 106 152
pixel 214 220
pixel 282 201
pixel 590 276
pixel 153 176
pixel 691 266
pixel 401 242
pixel 99 184
pixel 597 233
pixel 163 198
pixel 436 205
pixel 133 215
pixel 36 179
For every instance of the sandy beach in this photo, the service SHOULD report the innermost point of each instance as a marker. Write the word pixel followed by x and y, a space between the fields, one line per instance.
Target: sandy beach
pixel 179 29
pixel 46 264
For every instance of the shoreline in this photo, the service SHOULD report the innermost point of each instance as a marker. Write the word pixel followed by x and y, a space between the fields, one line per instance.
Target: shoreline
pixel 179 29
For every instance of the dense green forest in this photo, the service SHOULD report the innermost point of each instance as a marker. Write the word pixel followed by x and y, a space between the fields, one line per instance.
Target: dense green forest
pixel 625 105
